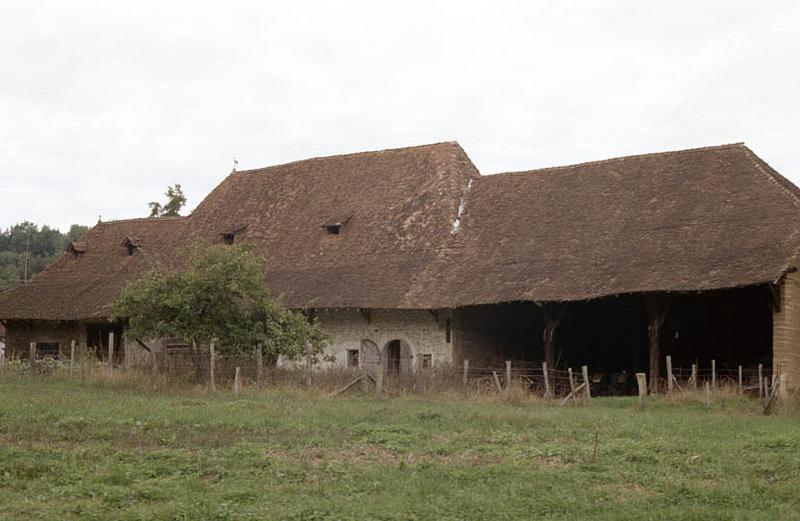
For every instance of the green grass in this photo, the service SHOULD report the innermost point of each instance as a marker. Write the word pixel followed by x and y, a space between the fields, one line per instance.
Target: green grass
pixel 92 452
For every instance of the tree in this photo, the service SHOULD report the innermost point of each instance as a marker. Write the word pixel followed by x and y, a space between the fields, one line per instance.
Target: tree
pixel 219 296
pixel 175 201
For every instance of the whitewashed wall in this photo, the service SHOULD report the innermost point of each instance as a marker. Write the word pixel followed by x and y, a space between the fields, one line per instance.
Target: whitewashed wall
pixel 420 329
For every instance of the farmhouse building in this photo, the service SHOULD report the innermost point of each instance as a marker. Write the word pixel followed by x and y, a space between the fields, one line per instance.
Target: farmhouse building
pixel 413 253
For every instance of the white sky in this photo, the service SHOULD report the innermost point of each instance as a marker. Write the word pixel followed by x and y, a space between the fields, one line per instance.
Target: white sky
pixel 102 105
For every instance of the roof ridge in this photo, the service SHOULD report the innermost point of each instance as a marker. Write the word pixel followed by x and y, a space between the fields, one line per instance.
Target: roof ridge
pixel 623 158
pixel 147 219
pixel 347 154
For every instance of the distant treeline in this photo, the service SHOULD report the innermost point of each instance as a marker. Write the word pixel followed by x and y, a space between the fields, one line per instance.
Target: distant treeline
pixel 26 249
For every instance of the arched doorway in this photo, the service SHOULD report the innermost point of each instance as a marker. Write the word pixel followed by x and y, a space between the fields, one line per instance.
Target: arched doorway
pixel 397 357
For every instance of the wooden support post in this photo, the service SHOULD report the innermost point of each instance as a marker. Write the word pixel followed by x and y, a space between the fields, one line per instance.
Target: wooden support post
pixel 740 380
pixel 552 312
pixel 71 357
pixel 212 366
pixel 237 381
pixel 110 352
pixel 307 368
pixel 708 393
pixel 465 375
pixel 508 375
pixel 714 374
pixel 657 311
pixel 694 376
pixel 571 381
pixel 669 374
pixel 588 390
pixel 547 391
pixel 260 366
pixel 573 395
pixel 497 382
pixel 641 381
pixel 761 380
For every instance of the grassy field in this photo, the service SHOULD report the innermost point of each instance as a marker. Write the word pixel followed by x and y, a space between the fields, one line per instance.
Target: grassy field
pixel 99 452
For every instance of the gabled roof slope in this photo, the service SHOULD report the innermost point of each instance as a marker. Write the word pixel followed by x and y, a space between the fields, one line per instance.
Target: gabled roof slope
pixel 696 219
pixel 396 209
pixel 84 285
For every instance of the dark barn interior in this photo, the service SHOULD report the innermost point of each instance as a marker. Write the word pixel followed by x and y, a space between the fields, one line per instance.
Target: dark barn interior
pixel 610 335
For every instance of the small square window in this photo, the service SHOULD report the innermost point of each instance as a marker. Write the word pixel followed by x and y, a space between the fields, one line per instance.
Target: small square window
pixel 427 360
pixel 352 358
pixel 47 350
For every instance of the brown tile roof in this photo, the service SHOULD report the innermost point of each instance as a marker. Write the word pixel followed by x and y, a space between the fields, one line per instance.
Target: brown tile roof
pixel 687 220
pixel 695 219
pixel 84 286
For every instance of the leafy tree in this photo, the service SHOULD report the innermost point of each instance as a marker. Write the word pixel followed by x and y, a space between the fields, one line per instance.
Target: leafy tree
pixel 220 295
pixel 175 201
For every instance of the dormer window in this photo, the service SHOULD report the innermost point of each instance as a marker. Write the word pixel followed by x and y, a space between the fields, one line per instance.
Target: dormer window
pixel 131 244
pixel 229 237
pixel 76 248
pixel 335 226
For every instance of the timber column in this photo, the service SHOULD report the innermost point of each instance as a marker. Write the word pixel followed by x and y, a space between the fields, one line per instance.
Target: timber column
pixel 786 330
pixel 552 311
pixel 656 305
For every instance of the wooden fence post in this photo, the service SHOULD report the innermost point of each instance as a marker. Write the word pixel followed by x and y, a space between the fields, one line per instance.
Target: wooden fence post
pixel 740 380
pixel 71 357
pixel 154 361
pixel 641 381
pixel 571 381
pixel 126 353
pixel 585 371
pixel 761 380
pixel 212 366
pixel 784 392
pixel 708 393
pixel 110 352
pixel 379 378
pixel 260 366
pixel 32 355
pixel 694 376
pixel 547 391
pixel 508 375
pixel 465 376
pixel 714 374
pixel 237 382
pixel 669 374
pixel 307 368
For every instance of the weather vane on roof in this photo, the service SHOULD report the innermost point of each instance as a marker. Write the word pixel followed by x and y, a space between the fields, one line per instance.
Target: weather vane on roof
pixel 235 163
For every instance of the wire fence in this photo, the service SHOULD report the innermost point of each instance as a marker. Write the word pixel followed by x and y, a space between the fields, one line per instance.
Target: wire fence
pixel 242 371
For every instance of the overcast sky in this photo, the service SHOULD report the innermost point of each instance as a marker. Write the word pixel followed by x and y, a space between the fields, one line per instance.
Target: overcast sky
pixel 102 105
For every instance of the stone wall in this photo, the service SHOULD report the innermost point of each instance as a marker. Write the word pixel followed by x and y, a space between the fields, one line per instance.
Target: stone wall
pixel 786 331
pixel 421 332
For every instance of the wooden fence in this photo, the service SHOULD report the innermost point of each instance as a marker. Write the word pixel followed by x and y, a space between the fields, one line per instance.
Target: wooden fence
pixel 254 370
